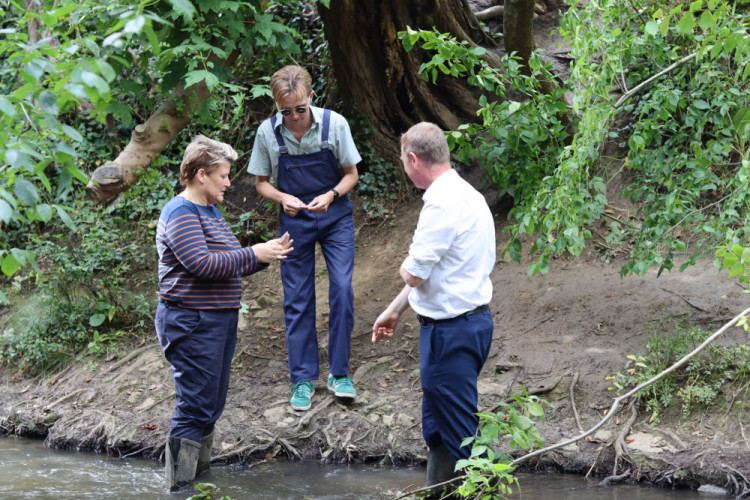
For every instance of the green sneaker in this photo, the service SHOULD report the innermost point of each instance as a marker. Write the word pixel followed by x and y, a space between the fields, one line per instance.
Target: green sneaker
pixel 302 393
pixel 341 387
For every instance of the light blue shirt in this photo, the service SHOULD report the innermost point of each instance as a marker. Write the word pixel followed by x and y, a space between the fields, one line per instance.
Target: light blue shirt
pixel 453 250
pixel 264 159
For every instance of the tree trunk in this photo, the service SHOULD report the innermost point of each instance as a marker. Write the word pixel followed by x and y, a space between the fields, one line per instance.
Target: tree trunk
pixel 374 71
pixel 518 28
pixel 148 140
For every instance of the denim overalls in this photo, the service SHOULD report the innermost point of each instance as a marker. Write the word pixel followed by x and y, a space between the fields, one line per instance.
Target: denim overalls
pixel 307 176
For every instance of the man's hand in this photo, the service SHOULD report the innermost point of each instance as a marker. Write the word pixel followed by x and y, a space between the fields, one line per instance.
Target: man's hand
pixel 292 205
pixel 385 325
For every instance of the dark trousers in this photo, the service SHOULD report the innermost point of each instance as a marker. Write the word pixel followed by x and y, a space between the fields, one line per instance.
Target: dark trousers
pixel 334 230
pixel 199 344
pixel 451 355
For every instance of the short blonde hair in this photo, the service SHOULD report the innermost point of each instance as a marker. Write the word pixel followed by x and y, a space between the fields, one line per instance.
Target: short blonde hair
pixel 204 153
pixel 427 141
pixel 290 80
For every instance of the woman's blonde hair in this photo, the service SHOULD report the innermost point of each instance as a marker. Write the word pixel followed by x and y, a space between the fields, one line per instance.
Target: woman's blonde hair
pixel 204 153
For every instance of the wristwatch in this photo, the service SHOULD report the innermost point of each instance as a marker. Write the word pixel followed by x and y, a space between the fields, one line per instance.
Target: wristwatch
pixel 335 194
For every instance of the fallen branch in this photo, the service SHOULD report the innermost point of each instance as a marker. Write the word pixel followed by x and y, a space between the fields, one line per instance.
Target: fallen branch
pixel 616 402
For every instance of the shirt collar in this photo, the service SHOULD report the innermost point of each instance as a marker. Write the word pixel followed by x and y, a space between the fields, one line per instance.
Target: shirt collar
pixel 444 181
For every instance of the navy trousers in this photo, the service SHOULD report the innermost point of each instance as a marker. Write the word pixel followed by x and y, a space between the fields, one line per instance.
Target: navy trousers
pixel 334 230
pixel 451 355
pixel 199 344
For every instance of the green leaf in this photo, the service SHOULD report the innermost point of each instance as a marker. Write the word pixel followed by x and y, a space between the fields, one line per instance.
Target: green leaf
pixel 686 23
pixel 183 8
pixel 701 104
pixel 72 133
pixel 65 217
pixel 652 28
pixel 48 102
pixel 97 319
pixel 44 211
pixel 664 25
pixel 96 81
pixel 26 192
pixel 10 265
pixel 135 25
pixel 17 158
pixel 7 107
pixel 706 21
pixel 6 211
pixel 193 77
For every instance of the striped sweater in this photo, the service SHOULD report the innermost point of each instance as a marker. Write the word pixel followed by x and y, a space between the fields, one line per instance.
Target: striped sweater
pixel 201 263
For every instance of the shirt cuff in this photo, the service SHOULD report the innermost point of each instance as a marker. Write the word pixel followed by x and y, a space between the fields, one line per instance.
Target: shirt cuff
pixel 416 268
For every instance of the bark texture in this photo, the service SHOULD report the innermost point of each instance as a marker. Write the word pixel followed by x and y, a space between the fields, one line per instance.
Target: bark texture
pixel 375 72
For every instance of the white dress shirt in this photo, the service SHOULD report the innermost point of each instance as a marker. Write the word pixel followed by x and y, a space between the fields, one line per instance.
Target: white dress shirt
pixel 453 250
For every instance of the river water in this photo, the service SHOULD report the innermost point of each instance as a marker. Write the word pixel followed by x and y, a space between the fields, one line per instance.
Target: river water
pixel 30 470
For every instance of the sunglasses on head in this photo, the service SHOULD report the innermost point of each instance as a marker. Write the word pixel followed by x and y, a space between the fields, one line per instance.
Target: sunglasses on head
pixel 300 110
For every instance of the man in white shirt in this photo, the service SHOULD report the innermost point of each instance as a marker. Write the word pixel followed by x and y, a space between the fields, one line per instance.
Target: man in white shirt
pixel 447 276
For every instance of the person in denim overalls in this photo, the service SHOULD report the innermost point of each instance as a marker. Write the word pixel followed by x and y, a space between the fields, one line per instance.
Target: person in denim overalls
pixel 310 153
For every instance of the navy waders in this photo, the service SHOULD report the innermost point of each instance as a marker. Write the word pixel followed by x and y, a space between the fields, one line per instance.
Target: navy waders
pixel 307 176
pixel 451 355
pixel 200 345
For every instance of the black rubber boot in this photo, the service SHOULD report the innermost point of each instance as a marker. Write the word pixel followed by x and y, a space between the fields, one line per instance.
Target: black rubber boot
pixel 181 457
pixel 440 468
pixel 204 457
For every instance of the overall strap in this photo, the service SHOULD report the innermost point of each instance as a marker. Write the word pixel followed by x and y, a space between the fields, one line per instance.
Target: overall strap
pixel 324 133
pixel 279 139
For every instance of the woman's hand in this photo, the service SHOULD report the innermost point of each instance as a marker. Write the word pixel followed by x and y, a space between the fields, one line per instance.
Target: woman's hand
pixel 276 249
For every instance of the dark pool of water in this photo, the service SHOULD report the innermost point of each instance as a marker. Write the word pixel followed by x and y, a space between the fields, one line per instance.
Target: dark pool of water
pixel 30 470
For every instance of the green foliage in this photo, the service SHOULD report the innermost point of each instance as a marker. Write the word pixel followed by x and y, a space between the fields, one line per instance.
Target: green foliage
pixel 487 470
pixel 687 142
pixel 111 60
pixel 737 259
pixel 697 385
pixel 90 296
pixel 208 491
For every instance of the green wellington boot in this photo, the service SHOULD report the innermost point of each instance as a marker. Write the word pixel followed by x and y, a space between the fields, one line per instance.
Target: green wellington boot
pixel 181 457
pixel 440 467
pixel 204 457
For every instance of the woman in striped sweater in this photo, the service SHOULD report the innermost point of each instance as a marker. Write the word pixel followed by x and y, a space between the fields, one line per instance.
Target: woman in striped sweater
pixel 201 265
